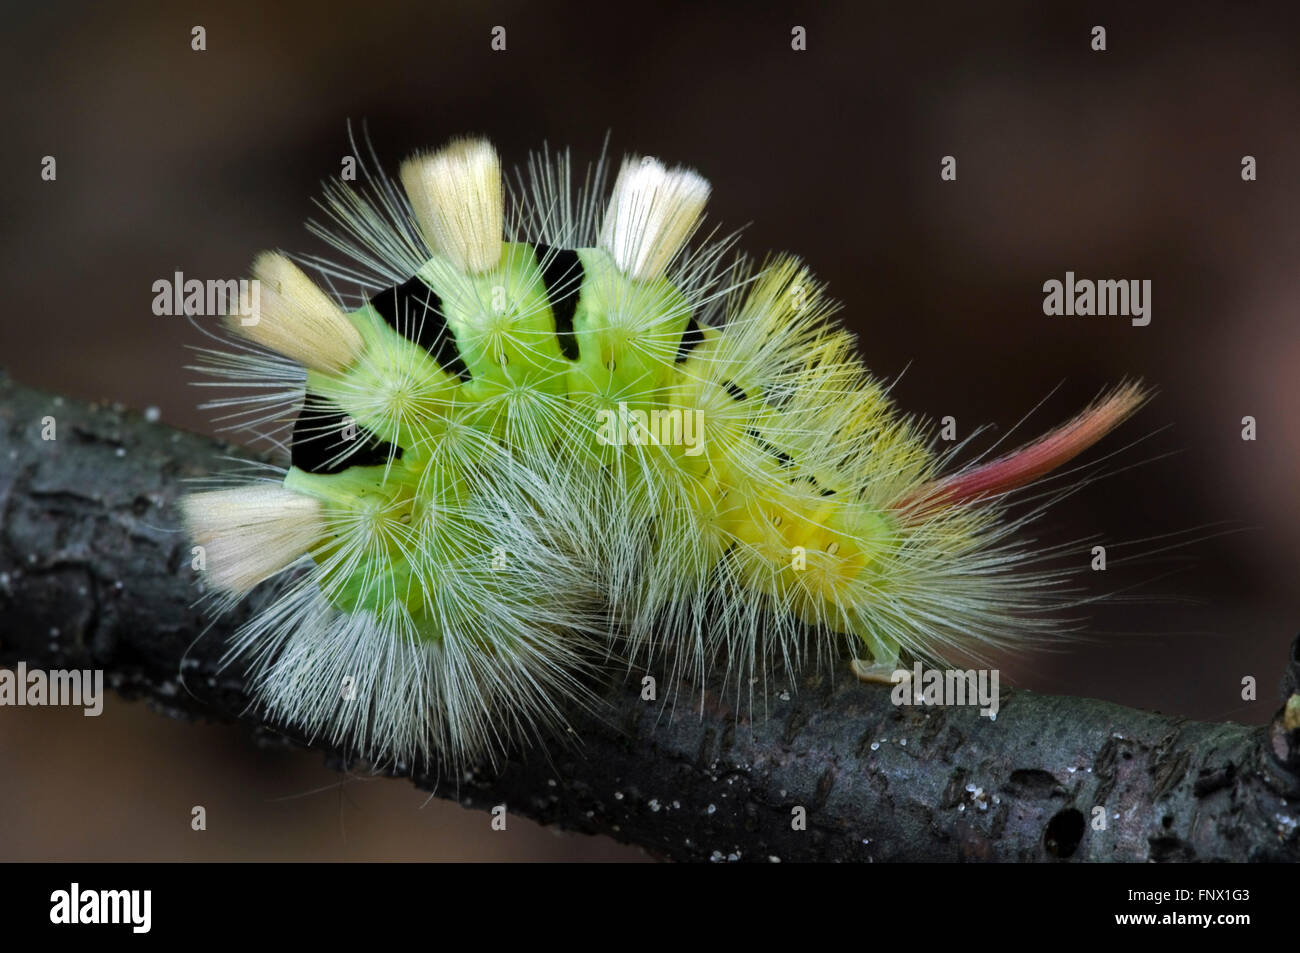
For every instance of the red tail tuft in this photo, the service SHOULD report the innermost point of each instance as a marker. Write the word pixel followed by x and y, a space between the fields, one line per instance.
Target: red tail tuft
pixel 1036 459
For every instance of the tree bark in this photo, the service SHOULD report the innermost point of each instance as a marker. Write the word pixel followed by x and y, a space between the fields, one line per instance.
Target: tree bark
pixel 95 573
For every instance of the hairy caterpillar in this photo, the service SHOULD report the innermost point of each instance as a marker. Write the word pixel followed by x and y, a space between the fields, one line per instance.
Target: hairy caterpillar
pixel 544 435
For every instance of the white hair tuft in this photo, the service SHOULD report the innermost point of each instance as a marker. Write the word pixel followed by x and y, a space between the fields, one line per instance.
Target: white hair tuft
pixel 457 197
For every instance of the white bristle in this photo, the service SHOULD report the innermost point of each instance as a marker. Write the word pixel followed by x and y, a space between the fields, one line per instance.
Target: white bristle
pixel 295 318
pixel 250 533
pixel 651 215
pixel 456 194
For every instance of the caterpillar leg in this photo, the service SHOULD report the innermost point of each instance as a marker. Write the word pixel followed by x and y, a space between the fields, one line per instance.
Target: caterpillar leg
pixel 874 673
pixel 883 664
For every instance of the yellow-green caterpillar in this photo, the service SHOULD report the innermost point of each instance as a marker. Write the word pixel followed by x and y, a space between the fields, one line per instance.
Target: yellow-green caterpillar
pixel 546 435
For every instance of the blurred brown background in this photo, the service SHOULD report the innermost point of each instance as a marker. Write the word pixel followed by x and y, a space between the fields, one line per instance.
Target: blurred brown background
pixel 1122 164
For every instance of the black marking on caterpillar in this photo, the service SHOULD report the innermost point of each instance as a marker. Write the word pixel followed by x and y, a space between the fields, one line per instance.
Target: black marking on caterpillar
pixel 691 337
pixel 313 452
pixel 562 275
pixel 812 480
pixel 782 458
pixel 414 311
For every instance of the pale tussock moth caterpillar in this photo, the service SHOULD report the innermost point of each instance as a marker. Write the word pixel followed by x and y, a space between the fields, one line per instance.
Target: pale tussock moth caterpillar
pixel 548 435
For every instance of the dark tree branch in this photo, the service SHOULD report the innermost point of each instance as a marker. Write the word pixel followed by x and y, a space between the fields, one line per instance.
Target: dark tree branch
pixel 95 573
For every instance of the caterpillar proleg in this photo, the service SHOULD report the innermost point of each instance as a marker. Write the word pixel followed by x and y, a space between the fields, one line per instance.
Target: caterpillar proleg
pixel 552 431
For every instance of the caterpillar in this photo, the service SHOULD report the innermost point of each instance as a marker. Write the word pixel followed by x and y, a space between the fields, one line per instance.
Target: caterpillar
pixel 556 428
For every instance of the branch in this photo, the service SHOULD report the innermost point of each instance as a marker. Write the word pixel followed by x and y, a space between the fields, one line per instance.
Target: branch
pixel 94 573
